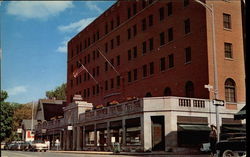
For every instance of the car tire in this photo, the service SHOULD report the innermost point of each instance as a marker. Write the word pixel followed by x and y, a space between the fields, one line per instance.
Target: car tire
pixel 228 153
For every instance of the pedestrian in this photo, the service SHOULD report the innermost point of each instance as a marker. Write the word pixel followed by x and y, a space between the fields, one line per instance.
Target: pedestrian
pixel 213 139
pixel 48 143
pixel 57 144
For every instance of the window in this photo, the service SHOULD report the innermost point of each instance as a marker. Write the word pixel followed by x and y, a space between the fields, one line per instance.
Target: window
pixel 135 51
pixel 150 1
pixel 106 85
pixel 170 34
pixel 150 20
pixel 118 40
pixel 135 74
pixel 167 91
pixel 189 88
pixel 170 8
pixel 88 41
pixel 112 44
pixel 118 79
pixel 112 61
pixel 118 60
pixel 162 39
pixel 97 71
pixel 144 69
pixel 85 93
pixel 135 30
pixel 171 61
pixel 162 64
pixel 188 55
pixel 144 47
pixel 88 58
pixel 93 55
pixel 106 47
pixel 97 89
pixel 106 28
pixel 117 20
pixel 151 68
pixel 93 90
pixel 129 33
pixel 187 26
pixel 129 76
pixel 88 92
pixel 129 55
pixel 93 72
pixel 93 38
pixel 134 8
pixel 227 21
pixel 111 83
pixel 97 35
pixel 106 66
pixel 143 4
pixel 144 25
pixel 112 25
pixel 129 12
pixel 161 13
pixel 151 44
pixel 186 3
pixel 230 90
pixel 228 50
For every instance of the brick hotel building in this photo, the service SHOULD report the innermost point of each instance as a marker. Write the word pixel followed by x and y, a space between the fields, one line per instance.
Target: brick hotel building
pixel 162 55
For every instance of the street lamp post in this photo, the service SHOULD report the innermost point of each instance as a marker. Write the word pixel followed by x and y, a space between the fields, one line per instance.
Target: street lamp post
pixel 211 9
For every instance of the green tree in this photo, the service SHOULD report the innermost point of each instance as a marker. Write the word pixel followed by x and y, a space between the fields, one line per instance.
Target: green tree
pixel 58 93
pixel 6 117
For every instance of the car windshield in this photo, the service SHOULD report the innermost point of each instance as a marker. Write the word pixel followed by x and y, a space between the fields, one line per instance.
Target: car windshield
pixel 38 141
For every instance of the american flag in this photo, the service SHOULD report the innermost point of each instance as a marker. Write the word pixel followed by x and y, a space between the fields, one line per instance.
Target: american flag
pixel 78 71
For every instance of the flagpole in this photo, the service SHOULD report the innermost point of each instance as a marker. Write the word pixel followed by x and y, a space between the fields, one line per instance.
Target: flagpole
pixel 108 61
pixel 88 72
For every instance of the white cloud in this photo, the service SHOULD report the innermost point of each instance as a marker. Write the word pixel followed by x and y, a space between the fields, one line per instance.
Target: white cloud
pixel 63 46
pixel 76 26
pixel 37 9
pixel 17 90
pixel 93 6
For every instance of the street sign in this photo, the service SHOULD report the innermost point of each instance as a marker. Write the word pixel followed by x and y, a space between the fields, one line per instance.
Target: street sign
pixel 70 127
pixel 218 102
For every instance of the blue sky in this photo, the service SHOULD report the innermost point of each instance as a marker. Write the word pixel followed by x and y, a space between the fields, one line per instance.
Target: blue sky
pixel 33 40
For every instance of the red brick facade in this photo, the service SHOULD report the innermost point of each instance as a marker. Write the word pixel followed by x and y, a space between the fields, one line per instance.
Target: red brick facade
pixel 171 22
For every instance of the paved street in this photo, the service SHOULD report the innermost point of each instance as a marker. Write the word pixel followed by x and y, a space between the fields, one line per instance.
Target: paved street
pixel 79 154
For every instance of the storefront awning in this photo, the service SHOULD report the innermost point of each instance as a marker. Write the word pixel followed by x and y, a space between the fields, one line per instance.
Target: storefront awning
pixel 194 127
pixel 241 129
pixel 241 114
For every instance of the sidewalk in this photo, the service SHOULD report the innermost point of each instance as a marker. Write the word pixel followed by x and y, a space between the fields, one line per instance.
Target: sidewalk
pixel 129 153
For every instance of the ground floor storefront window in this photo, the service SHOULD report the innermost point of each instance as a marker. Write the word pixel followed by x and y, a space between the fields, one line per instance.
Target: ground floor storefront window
pixel 90 135
pixel 101 133
pixel 116 131
pixel 133 131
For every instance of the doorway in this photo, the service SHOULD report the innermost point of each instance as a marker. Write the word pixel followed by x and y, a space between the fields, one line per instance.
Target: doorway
pixel 158 133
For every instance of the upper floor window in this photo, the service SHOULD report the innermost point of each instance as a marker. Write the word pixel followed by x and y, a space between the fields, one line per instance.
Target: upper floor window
pixel 167 91
pixel 129 76
pixel 170 34
pixel 144 71
pixel 171 60
pixel 161 13
pixel 134 8
pixel 227 21
pixel 188 56
pixel 151 44
pixel 129 12
pixel 170 8
pixel 144 25
pixel 117 20
pixel 112 25
pixel 189 88
pixel 162 64
pixel 135 51
pixel 129 54
pixel 186 3
pixel 228 50
pixel 162 39
pixel 135 29
pixel 106 28
pixel 230 90
pixel 150 20
pixel 144 3
pixel 118 40
pixel 151 68
pixel 129 33
pixel 112 43
pixel 144 47
pixel 135 74
pixel 187 26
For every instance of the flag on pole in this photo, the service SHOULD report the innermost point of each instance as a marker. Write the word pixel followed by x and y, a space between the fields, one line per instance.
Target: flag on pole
pixel 78 71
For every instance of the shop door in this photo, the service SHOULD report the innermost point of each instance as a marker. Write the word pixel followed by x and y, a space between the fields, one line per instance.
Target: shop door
pixel 158 139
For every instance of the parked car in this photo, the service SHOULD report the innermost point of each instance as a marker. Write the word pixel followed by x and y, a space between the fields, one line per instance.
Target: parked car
pixel 235 146
pixel 38 145
pixel 25 146
pixel 17 145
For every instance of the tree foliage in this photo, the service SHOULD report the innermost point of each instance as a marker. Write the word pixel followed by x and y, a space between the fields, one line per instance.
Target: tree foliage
pixel 6 114
pixel 58 93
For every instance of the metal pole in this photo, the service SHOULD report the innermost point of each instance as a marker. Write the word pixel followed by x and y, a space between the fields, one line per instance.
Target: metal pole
pixel 32 117
pixel 216 91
